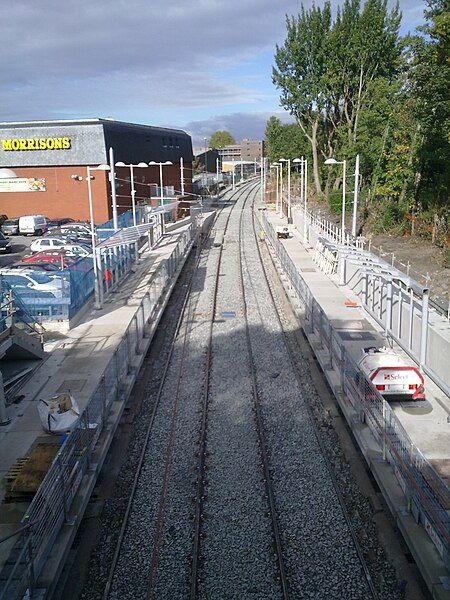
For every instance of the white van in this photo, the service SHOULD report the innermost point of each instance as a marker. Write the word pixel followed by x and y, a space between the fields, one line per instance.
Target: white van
pixel 33 225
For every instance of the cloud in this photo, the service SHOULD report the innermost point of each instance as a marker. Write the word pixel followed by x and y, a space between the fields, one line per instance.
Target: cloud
pixel 139 59
pixel 241 125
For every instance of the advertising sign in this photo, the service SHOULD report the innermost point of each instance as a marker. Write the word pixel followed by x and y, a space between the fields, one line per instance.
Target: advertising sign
pixel 22 184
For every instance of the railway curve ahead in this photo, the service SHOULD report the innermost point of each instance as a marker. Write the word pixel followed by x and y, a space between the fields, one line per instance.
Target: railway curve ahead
pixel 232 496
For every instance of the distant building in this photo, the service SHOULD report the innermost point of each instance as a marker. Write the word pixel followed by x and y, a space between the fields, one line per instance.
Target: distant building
pixel 207 159
pixel 43 166
pixel 248 150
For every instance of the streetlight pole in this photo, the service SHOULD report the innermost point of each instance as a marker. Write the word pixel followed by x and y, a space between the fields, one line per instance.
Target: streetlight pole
pixel 281 189
pixel 112 177
pixel 332 161
pixel 276 166
pixel 289 212
pixel 161 164
pixel 97 284
pixel 133 190
pixel 182 175
pixel 217 175
pixel 355 197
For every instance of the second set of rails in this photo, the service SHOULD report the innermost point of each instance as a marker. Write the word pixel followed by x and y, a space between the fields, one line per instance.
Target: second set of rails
pixel 209 507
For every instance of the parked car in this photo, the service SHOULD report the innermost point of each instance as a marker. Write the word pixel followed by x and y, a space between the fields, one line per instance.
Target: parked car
pixel 57 257
pixel 47 243
pixel 32 281
pixel 71 236
pixel 35 266
pixel 5 244
pixel 3 218
pixel 10 227
pixel 58 222
pixel 81 228
pixel 77 250
pixel 33 225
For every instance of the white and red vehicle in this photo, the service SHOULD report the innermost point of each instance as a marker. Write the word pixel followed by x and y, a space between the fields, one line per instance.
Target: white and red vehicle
pixel 391 375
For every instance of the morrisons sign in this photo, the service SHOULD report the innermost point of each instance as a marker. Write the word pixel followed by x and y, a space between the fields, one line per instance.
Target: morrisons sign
pixel 52 143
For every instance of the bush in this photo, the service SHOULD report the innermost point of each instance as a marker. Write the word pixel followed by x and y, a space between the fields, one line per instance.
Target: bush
pixel 335 202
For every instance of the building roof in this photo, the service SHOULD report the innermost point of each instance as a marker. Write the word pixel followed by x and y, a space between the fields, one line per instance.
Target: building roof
pixel 94 121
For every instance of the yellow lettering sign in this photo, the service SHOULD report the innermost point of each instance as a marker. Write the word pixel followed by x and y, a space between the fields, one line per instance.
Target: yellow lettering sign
pixel 52 143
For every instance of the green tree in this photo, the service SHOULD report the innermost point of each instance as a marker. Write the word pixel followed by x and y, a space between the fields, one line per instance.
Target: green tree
pixel 430 80
pixel 284 141
pixel 326 69
pixel 219 139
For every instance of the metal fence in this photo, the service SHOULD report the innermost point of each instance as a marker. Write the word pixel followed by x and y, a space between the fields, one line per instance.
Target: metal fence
pixel 427 495
pixel 439 292
pixel 51 505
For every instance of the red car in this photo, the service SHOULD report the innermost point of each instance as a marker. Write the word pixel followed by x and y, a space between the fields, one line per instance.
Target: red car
pixel 56 257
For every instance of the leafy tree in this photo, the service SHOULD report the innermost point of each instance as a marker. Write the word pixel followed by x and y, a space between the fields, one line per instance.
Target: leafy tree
pixel 219 139
pixel 284 141
pixel 326 69
pixel 430 77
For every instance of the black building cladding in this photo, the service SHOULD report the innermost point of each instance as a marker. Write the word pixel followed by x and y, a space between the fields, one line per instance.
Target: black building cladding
pixel 87 142
pixel 133 143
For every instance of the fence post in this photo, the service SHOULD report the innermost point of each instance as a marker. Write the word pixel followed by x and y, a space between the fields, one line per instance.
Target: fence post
pixel 62 488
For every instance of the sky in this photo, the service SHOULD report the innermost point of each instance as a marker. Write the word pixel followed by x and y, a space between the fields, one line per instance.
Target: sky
pixel 198 65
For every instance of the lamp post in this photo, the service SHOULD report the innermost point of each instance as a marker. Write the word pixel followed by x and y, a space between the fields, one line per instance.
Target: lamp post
pixel 141 165
pixel 288 160
pixel 303 192
pixel 182 175
pixel 97 284
pixel 161 164
pixel 332 161
pixel 217 174
pixel 277 197
pixel 355 196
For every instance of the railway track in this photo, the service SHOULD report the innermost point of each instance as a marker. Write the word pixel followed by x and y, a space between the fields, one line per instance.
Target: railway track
pixel 182 328
pixel 219 426
pixel 294 352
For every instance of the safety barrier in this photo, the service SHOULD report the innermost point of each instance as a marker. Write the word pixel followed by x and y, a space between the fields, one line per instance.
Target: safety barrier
pixel 427 495
pixel 51 505
pixel 439 293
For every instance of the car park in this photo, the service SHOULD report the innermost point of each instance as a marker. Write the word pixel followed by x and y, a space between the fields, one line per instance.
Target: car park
pixel 77 250
pixel 52 223
pixel 79 228
pixel 10 227
pixel 5 244
pixel 35 266
pixel 47 243
pixel 26 281
pixel 57 257
pixel 32 225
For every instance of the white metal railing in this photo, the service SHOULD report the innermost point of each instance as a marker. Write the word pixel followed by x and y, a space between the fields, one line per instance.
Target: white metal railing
pixel 50 507
pixel 427 495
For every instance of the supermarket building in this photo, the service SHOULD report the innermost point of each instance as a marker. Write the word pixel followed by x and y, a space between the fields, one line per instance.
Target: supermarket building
pixel 43 166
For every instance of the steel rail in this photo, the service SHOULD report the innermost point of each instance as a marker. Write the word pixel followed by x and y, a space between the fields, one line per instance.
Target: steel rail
pixel 330 470
pixel 203 432
pixel 260 426
pixel 149 430
pixel 118 547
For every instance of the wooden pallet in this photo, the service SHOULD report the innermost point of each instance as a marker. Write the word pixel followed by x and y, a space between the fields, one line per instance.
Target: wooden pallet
pixel 25 476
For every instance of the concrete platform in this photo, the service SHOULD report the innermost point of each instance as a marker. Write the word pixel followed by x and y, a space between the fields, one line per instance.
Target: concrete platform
pixel 75 361
pixel 427 423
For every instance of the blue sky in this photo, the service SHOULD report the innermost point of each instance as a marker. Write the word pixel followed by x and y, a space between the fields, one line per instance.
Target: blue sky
pixel 201 65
